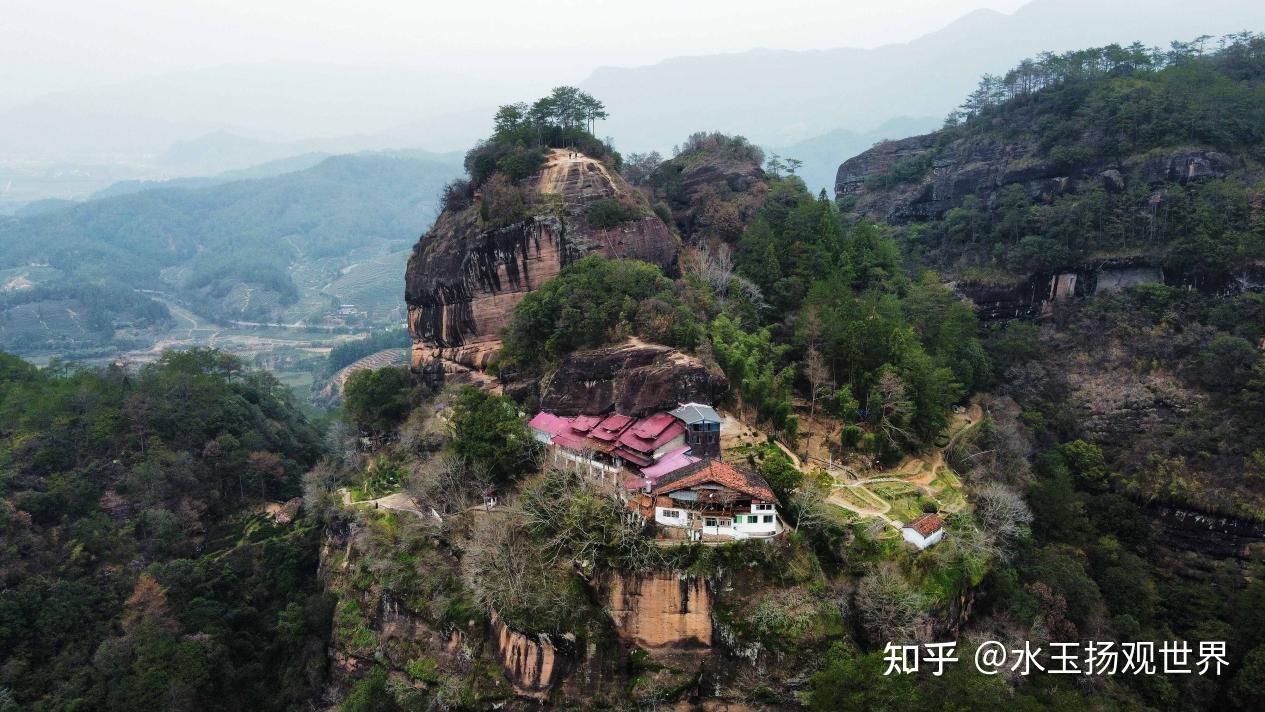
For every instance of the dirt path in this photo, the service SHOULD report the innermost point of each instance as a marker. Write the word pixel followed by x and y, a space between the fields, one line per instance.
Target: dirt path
pixel 916 467
pixel 397 501
pixel 560 165
pixel 918 471
pixel 838 499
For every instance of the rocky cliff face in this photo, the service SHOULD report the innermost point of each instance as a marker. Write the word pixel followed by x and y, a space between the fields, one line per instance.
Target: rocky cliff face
pixel 663 614
pixel 634 378
pixel 1036 295
pixel 464 279
pixel 982 165
pixel 534 664
pixel 660 610
pixel 710 194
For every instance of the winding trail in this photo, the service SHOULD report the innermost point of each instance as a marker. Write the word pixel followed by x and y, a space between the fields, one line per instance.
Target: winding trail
pixel 914 471
pixel 398 501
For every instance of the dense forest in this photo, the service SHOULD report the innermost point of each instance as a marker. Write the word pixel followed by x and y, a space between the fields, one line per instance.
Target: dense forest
pixel 137 568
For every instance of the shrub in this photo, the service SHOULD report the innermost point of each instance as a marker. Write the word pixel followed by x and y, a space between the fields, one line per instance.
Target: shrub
pixel 590 303
pixel 377 400
pixel 735 147
pixel 610 212
pixel 489 433
pixel 457 195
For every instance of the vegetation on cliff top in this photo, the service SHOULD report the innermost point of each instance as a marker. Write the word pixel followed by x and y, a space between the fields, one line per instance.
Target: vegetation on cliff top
pixel 522 136
pixel 595 302
pixel 1110 108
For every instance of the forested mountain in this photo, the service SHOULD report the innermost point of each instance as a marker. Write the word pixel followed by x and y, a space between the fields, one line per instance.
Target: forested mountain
pixel 1084 173
pixel 138 568
pixel 268 249
pixel 1036 333
pixel 1109 152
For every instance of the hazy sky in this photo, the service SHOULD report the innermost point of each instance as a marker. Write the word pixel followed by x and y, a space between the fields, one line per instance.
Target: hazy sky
pixel 52 45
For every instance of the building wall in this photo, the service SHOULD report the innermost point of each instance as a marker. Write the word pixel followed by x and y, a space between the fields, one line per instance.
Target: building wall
pixel 725 526
pixel 669 446
pixel 704 442
pixel 682 518
pixel 767 523
pixel 913 537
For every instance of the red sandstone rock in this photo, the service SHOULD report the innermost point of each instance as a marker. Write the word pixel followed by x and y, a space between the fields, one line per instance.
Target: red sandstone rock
pixel 463 281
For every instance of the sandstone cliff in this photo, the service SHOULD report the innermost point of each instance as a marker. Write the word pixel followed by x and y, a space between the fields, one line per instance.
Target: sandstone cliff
pixel 465 275
pixel 658 637
pixel 660 610
pixel 633 378
pixel 982 165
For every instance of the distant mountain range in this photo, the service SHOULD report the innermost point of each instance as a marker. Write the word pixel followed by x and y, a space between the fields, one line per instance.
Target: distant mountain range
pixel 821 154
pixel 285 248
pixel 226 118
pixel 779 98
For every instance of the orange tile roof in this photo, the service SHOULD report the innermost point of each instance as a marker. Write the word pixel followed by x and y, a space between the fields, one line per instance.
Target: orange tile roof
pixel 719 472
pixel 926 525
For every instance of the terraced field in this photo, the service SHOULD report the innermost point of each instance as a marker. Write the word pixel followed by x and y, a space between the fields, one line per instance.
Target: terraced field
pixel 371 284
pixel 920 483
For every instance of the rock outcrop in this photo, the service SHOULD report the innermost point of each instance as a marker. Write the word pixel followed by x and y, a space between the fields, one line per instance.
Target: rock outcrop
pixel 982 165
pixel 635 379
pixel 533 664
pixel 464 278
pixel 1036 295
pixel 710 193
pixel 661 610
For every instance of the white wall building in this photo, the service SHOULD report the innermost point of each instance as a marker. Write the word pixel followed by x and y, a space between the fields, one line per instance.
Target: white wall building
pixel 924 531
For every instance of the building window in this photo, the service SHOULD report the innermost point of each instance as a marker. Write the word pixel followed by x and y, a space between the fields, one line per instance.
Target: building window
pixel 763 508
pixel 768 519
pixel 709 522
pixel 671 514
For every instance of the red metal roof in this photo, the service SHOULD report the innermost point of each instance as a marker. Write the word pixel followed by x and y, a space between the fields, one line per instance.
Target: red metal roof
pixel 611 428
pixel 550 423
pixel 585 423
pixel 649 427
pixel 575 443
pixel 648 446
pixel 669 463
pixel 637 458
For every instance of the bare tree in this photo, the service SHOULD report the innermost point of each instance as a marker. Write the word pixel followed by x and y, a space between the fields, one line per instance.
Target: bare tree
pixel 716 270
pixel 1004 516
pixel 818 375
pixel 996 450
pixel 507 571
pixel 637 167
pixel 318 489
pixel 577 521
pixel 448 484
pixel 890 608
pixel 895 407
